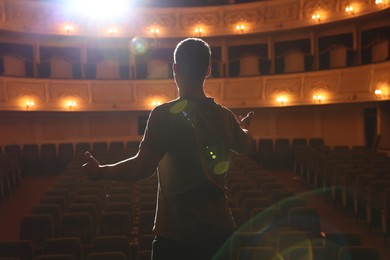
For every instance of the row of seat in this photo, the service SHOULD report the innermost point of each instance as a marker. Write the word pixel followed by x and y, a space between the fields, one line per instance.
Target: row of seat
pixel 9 174
pixel 356 179
pixel 276 223
pixel 87 210
pixel 50 158
pixel 262 207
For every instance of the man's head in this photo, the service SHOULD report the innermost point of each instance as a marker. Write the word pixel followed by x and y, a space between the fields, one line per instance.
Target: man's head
pixel 192 60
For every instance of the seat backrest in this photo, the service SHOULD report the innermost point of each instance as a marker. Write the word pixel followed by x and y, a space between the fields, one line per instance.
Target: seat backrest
pixel 359 253
pixel 259 252
pixel 21 249
pixel 48 152
pixel 36 228
pixel 287 240
pixel 305 219
pixel 64 245
pixel 77 224
pixel 115 223
pixel 106 256
pixel 49 209
pixel 336 240
pixel 245 239
pixel 111 243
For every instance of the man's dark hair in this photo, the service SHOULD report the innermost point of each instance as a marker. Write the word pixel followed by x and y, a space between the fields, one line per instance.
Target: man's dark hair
pixel 192 57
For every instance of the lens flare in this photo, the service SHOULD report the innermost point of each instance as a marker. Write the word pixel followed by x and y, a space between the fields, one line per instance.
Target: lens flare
pixel 138 46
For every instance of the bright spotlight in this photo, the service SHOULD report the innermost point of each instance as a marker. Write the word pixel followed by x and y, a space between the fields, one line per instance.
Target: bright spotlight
pixel 99 9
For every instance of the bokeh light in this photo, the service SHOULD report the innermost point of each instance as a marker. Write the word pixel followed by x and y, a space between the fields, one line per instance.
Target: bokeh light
pixel 138 46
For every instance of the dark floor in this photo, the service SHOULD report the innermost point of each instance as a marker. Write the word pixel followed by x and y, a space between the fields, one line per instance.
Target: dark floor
pixel 333 218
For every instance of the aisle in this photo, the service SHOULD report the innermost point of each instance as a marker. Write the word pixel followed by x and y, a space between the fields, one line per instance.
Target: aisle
pixel 19 204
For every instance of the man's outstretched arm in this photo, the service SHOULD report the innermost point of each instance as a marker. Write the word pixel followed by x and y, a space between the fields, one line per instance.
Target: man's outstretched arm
pixel 138 167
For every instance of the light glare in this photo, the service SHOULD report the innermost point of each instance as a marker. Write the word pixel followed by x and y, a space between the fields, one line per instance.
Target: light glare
pixel 99 9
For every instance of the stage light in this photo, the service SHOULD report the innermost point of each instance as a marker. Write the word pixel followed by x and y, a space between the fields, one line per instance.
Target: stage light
pixel 99 9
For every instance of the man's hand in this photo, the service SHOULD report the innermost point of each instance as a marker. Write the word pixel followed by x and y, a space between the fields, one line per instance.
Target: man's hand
pixel 92 167
pixel 245 121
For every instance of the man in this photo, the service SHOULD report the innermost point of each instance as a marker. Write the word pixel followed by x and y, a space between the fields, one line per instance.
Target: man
pixel 189 141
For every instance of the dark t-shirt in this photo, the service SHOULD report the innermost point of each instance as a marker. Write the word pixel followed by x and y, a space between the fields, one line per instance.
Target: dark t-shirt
pixel 195 138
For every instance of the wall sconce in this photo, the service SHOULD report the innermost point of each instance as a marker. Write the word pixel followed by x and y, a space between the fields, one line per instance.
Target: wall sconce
pixel 281 100
pixel 198 31
pixel 72 104
pixel 349 9
pixel 68 28
pixel 155 31
pixel 113 31
pixel 156 103
pixel 378 92
pixel 316 17
pixel 379 2
pixel 240 27
pixel 30 104
pixel 318 98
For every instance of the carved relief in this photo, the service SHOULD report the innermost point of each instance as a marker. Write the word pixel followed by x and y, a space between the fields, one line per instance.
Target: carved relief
pixel 355 81
pixel 290 86
pixel 26 13
pixel 281 13
pixel 146 91
pixel 41 17
pixel 60 91
pixel 157 19
pixel 113 93
pixel 206 19
pixel 380 78
pixel 236 90
pixel 310 7
pixel 22 89
pixel 324 83
pixel 234 17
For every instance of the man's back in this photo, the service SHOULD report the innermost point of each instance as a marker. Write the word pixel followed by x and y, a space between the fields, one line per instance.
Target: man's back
pixel 195 136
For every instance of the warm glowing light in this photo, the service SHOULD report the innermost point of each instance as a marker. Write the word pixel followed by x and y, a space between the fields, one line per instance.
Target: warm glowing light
pixel 378 92
pixel 98 9
pixel 155 31
pixel 349 9
pixel 68 28
pixel 240 27
pixel 316 17
pixel 281 100
pixel 113 30
pixel 378 2
pixel 198 30
pixel 156 103
pixel 30 104
pixel 318 98
pixel 72 104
